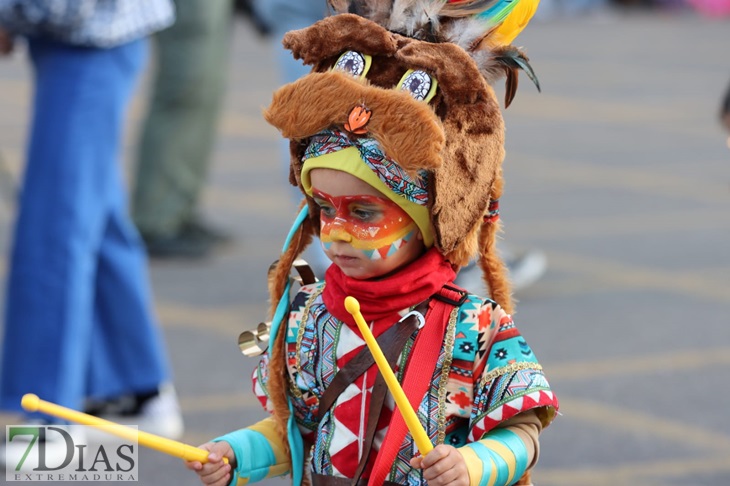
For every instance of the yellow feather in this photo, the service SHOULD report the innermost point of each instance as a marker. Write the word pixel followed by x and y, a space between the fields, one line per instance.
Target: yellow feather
pixel 513 24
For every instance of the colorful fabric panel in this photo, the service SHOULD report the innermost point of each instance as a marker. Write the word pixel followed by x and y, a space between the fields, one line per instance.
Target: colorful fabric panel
pixel 512 380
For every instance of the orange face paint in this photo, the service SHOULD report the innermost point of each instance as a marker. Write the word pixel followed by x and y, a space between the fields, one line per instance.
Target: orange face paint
pixel 375 225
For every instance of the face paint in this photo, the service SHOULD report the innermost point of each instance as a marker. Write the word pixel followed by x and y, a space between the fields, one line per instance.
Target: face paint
pixel 375 225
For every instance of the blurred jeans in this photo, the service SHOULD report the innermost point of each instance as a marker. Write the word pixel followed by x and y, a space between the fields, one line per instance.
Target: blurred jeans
pixel 78 313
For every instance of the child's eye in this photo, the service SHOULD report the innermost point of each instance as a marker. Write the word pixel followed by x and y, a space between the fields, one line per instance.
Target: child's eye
pixel 365 214
pixel 325 209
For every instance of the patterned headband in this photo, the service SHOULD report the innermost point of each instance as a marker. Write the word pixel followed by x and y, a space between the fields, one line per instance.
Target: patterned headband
pixel 387 170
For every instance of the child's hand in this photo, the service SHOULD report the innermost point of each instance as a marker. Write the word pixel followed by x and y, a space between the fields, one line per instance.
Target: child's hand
pixel 443 465
pixel 215 472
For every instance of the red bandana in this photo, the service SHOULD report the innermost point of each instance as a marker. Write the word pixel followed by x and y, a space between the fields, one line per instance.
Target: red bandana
pixel 381 300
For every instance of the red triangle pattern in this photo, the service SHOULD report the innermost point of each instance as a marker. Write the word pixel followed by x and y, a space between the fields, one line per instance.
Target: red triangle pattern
pixel 505 412
pixel 348 415
pixel 343 460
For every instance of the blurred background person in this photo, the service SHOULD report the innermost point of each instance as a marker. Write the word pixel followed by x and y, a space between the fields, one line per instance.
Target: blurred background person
pixel 78 310
pixel 179 132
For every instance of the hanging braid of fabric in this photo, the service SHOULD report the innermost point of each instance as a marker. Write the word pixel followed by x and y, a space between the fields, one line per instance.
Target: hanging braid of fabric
pixel 493 268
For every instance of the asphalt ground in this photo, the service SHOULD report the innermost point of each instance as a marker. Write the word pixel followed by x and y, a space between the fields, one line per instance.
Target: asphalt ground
pixel 619 171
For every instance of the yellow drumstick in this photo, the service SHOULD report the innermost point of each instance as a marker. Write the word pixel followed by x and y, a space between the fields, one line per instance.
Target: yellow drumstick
pixel 409 415
pixel 32 403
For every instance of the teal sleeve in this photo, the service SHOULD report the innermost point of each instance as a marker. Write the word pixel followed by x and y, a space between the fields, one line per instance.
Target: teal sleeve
pixel 252 465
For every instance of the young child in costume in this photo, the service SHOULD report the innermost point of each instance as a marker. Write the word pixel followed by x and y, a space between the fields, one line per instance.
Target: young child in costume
pixel 397 144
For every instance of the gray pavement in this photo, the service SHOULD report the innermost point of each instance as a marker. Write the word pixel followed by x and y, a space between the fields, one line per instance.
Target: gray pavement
pixel 618 171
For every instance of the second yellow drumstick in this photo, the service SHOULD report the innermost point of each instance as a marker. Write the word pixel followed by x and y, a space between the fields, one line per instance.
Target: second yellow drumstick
pixel 32 403
pixel 409 415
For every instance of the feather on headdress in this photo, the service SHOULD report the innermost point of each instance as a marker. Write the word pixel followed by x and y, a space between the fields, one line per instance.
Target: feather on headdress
pixel 483 28
pixel 416 18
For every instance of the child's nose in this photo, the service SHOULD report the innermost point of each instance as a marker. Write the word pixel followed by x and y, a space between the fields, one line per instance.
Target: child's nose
pixel 339 234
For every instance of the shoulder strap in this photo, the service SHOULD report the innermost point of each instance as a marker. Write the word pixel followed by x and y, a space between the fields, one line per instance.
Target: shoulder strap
pixel 391 342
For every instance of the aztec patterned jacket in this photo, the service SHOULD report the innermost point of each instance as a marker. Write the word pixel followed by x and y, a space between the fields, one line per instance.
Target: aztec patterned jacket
pixel 485 375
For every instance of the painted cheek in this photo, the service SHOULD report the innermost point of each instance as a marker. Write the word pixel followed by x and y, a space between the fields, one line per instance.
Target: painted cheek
pixel 389 249
pixel 370 237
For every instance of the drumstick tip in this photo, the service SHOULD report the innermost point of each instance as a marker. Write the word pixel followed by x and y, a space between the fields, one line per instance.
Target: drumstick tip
pixel 352 305
pixel 30 402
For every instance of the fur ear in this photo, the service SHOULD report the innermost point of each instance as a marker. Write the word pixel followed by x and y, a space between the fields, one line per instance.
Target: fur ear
pixel 458 77
pixel 461 187
pixel 334 35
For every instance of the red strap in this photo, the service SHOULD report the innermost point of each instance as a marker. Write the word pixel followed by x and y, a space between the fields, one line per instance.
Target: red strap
pixel 417 379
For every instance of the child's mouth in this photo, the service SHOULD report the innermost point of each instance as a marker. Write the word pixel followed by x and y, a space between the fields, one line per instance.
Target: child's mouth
pixel 344 259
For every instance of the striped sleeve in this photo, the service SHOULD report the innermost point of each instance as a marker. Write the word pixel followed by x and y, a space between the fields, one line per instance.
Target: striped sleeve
pixel 502 455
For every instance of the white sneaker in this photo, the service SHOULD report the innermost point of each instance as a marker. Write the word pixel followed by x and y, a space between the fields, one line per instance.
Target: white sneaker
pixel 161 414
pixel 525 269
pixel 158 413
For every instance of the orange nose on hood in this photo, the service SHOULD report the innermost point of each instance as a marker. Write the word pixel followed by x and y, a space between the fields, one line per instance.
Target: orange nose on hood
pixel 358 119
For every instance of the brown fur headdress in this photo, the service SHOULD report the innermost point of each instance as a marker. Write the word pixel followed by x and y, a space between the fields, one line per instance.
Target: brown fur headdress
pixel 458 136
